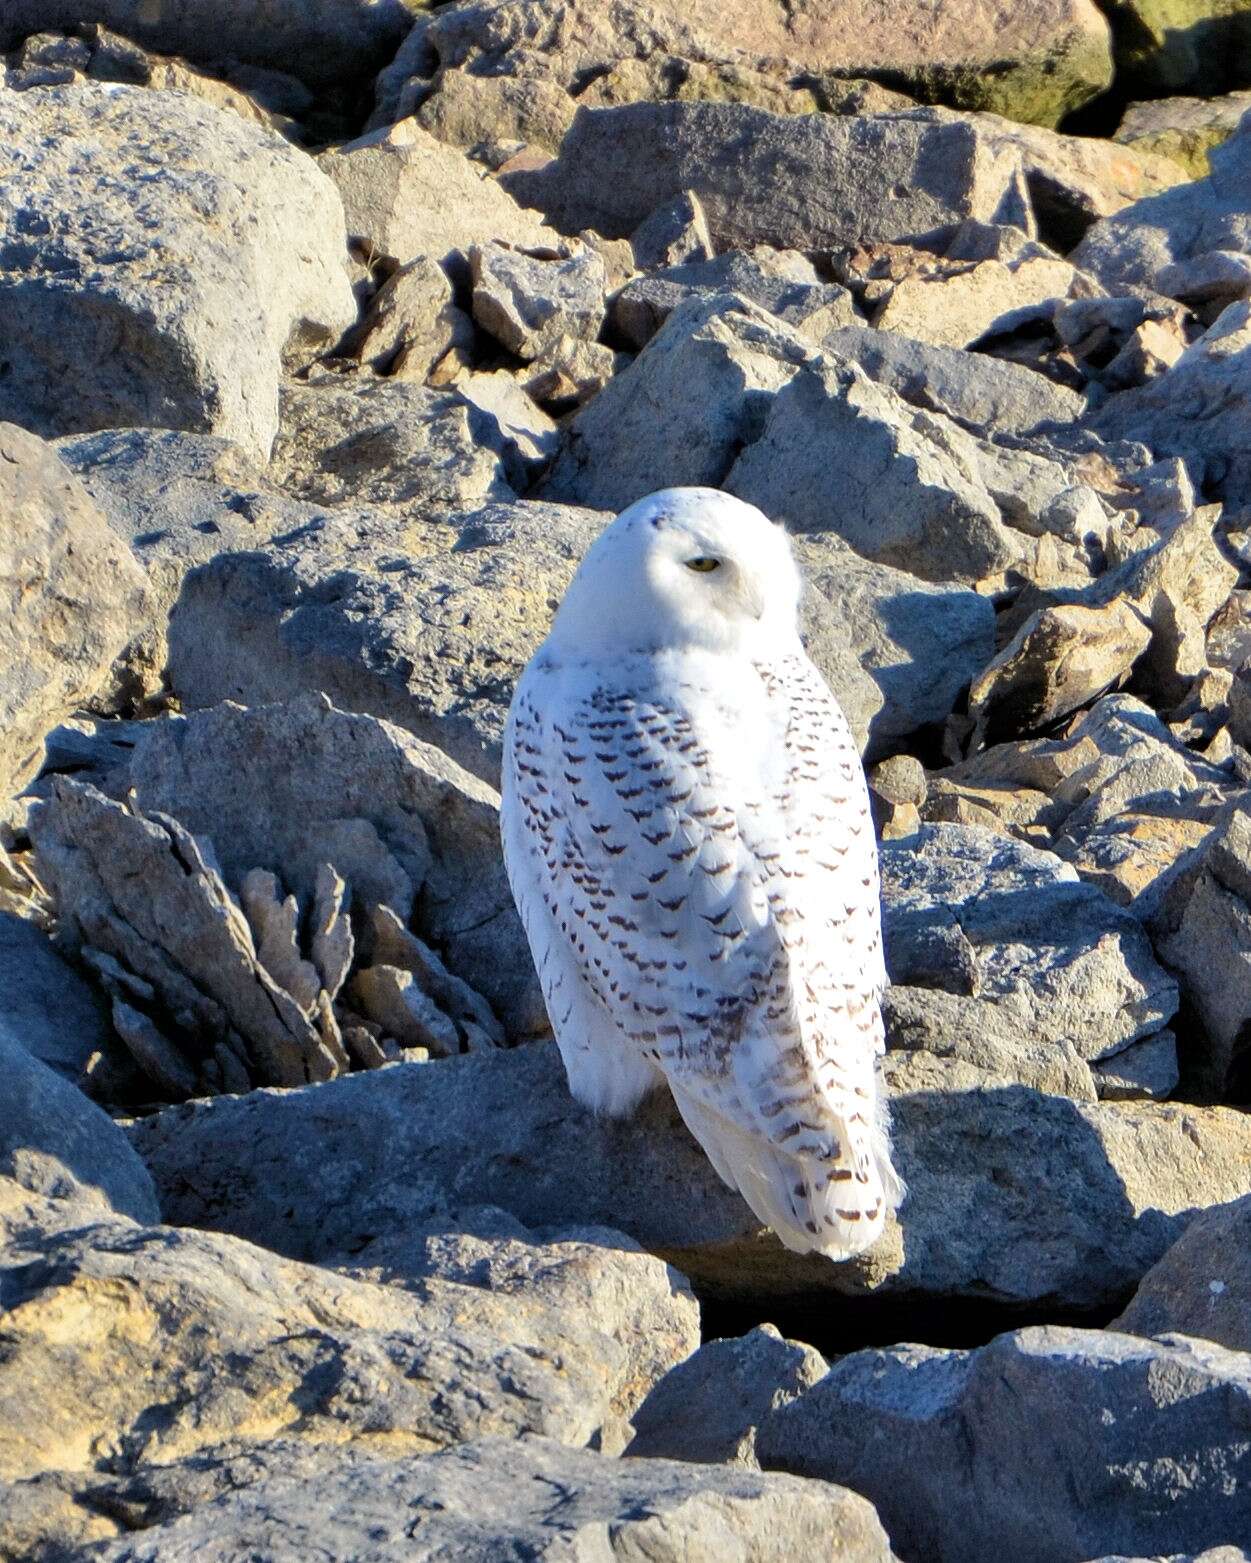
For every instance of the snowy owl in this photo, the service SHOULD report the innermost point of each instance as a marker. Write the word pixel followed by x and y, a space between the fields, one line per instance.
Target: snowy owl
pixel 687 834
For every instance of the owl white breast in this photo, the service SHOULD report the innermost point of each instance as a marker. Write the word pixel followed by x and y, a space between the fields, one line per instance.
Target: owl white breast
pixel 687 834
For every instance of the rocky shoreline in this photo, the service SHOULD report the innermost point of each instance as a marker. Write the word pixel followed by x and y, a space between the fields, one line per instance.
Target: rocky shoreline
pixel 332 336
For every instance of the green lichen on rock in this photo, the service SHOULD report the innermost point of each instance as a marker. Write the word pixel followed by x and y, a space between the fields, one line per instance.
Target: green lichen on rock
pixel 1184 129
pixel 1169 46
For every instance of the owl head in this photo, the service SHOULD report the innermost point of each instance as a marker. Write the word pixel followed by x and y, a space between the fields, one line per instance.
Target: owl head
pixel 683 568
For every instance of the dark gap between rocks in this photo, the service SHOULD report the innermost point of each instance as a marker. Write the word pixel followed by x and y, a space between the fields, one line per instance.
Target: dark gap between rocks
pixel 839 1326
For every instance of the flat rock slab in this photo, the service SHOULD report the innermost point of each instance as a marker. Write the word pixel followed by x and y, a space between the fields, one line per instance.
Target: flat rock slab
pixel 1016 1197
pixel 161 279
pixel 803 182
pixel 488 1500
pixel 1051 1445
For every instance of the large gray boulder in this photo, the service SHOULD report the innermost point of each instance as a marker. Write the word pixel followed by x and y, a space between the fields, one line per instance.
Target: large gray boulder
pixel 154 282
pixel 1017 1197
pixel 1202 927
pixel 838 453
pixel 1053 1445
pixel 482 1501
pixel 981 393
pixel 55 1142
pixel 802 182
pixel 713 366
pixel 920 642
pixel 72 599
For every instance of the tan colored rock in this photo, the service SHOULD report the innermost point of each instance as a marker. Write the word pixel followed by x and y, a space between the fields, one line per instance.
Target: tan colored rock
pixel 411 324
pixel 955 311
pixel 1058 660
pixel 72 599
pixel 106 1320
pixel 406 194
pixel 1035 65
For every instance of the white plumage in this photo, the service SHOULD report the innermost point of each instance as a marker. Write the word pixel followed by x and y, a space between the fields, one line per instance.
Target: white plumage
pixel 687 833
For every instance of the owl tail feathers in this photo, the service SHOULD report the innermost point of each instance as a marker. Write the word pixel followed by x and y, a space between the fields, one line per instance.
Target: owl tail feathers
pixel 794 1194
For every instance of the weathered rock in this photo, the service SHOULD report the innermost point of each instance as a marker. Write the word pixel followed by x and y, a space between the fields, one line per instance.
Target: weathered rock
pixel 1166 46
pixel 981 393
pixel 711 367
pixel 390 443
pixel 235 1344
pixel 406 194
pixel 570 372
pixel 676 234
pixel 177 499
pixel 942 1041
pixel 527 302
pixel 140 900
pixel 72 598
pixel 987 299
pixel 1202 928
pixel 707 1409
pixel 805 182
pixel 589 1289
pixel 486 1500
pixel 411 324
pixel 1202 1285
pixel 45 1005
pixel 786 286
pixel 1017 1198
pixel 1075 180
pixel 1054 1443
pixel 289 788
pixel 961 907
pixel 838 453
pixel 1132 248
pixel 1146 1069
pixel 215 214
pixel 1059 659
pixel 489 117
pixel 1196 408
pixel 1184 129
pixel 56 1143
pixel 1035 68
pixel 329 41
pixel 389 636
pixel 920 643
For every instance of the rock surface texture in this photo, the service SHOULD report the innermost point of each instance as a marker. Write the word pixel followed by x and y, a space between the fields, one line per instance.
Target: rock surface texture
pixel 333 334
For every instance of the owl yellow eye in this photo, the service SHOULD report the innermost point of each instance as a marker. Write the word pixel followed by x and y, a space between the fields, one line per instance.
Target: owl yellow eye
pixel 703 564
